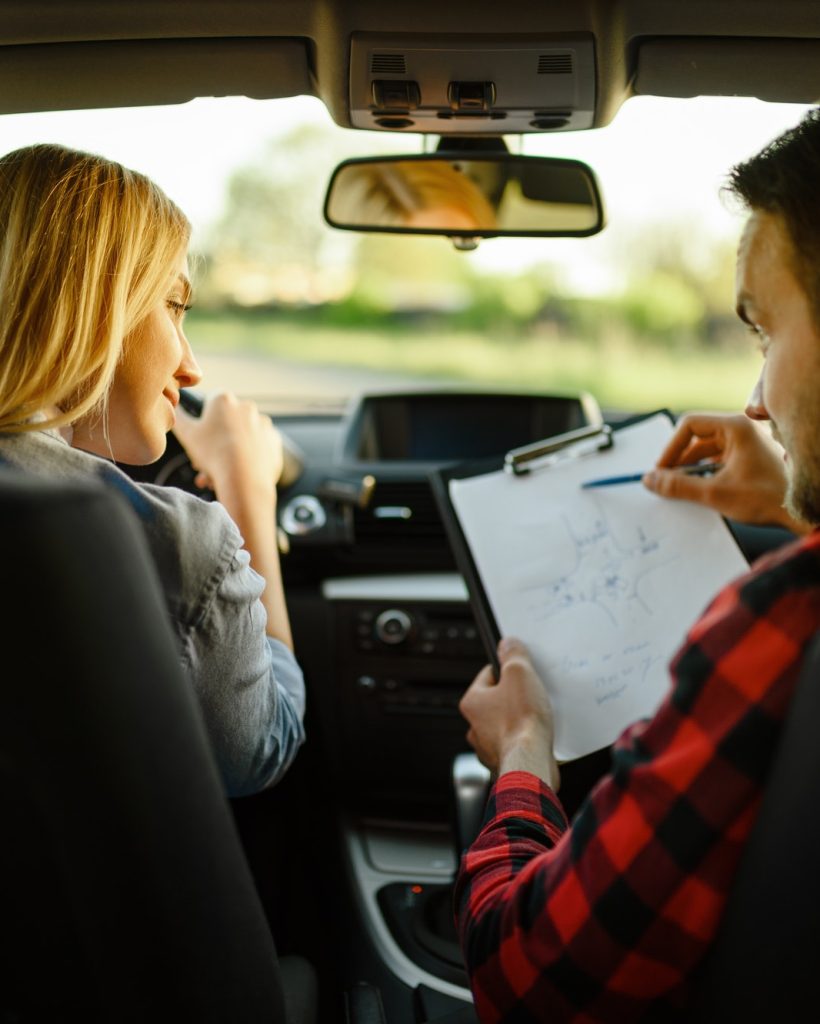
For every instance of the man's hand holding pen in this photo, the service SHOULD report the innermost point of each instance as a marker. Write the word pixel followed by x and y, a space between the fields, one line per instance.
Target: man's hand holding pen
pixel 751 484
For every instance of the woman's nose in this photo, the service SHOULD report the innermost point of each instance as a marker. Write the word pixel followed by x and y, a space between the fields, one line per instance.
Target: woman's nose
pixel 189 373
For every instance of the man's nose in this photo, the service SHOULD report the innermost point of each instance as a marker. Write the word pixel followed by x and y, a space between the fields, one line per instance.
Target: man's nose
pixel 755 407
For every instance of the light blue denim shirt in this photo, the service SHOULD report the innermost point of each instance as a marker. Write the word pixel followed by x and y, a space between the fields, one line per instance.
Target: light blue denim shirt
pixel 249 685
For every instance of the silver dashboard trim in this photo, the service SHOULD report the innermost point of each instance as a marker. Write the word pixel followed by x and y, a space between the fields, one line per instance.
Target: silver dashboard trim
pixel 440 586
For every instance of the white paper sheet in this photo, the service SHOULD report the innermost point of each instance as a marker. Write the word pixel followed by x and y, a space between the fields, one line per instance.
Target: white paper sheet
pixel 601 584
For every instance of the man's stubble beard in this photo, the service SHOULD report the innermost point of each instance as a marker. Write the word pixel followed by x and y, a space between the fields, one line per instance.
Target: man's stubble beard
pixel 803 491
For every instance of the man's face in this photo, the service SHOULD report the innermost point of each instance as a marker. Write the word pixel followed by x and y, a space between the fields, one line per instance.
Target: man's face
pixel 772 301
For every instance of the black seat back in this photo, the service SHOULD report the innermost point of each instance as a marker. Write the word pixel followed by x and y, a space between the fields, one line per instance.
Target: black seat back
pixel 124 891
pixel 765 965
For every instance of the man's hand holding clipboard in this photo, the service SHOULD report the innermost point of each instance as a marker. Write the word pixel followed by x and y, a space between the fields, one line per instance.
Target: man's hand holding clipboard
pixel 510 716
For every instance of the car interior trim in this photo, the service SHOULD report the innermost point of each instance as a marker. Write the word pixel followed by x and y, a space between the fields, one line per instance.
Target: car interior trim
pixel 367 882
pixel 415 587
pixel 66 76
pixel 729 67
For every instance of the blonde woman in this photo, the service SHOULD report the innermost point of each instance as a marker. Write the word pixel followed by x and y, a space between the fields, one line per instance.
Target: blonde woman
pixel 94 287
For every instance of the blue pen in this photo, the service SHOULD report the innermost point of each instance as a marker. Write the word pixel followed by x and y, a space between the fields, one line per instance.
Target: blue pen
pixel 699 469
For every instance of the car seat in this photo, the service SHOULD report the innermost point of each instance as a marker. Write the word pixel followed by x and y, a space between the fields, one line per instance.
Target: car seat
pixel 763 966
pixel 125 895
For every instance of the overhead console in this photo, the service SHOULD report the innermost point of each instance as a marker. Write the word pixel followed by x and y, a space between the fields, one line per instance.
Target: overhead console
pixel 472 85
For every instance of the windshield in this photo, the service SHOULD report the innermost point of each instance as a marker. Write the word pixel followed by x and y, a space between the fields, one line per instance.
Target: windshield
pixel 299 315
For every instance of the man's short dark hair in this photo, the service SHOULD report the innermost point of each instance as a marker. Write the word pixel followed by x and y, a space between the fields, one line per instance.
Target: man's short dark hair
pixel 784 179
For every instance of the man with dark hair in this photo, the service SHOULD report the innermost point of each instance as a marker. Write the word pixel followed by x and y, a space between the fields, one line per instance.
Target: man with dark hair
pixel 607 918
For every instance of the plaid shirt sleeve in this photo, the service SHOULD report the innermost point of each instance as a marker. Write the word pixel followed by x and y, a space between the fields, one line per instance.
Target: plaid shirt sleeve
pixel 605 919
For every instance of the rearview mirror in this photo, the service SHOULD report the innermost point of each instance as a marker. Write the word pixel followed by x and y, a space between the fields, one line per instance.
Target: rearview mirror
pixel 494 195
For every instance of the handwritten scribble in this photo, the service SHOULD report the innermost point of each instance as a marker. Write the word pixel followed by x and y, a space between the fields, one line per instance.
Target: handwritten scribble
pixel 606 573
pixel 611 674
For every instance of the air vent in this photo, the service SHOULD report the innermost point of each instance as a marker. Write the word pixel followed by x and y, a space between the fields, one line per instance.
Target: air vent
pixel 555 64
pixel 400 511
pixel 388 64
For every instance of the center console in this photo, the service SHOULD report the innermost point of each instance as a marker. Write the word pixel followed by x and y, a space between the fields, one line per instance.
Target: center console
pixel 392 646
pixel 405 649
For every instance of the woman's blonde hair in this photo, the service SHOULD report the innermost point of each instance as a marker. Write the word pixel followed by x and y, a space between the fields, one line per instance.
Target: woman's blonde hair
pixel 87 248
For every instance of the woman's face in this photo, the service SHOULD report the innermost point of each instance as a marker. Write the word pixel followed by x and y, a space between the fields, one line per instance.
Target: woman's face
pixel 156 362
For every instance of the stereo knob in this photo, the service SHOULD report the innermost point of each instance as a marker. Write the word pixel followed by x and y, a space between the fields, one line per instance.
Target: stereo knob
pixel 302 515
pixel 393 626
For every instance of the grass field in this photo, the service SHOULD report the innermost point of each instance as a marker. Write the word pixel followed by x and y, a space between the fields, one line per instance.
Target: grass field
pixel 618 373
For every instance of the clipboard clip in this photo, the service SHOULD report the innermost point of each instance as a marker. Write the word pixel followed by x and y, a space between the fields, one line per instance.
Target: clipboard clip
pixel 519 460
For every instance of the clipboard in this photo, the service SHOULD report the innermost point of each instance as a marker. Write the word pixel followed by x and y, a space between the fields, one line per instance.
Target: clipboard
pixel 535 457
pixel 582 454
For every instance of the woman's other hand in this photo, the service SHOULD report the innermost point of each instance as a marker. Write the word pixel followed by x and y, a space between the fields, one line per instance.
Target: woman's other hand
pixel 237 452
pixel 231 445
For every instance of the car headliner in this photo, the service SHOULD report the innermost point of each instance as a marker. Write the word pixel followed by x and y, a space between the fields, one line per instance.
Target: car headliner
pixel 108 53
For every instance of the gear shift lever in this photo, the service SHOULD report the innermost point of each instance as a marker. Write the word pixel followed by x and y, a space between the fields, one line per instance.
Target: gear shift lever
pixel 471 785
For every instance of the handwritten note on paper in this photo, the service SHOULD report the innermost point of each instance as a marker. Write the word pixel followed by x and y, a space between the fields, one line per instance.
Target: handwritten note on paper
pixel 601 584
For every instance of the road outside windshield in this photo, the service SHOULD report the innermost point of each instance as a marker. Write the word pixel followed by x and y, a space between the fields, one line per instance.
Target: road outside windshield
pixel 300 315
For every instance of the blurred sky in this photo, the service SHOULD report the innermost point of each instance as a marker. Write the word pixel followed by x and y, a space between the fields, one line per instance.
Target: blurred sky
pixel 658 159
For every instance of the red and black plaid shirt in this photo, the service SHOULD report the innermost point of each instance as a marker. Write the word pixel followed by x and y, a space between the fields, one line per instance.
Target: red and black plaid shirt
pixel 605 920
